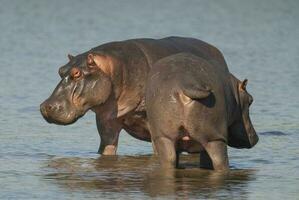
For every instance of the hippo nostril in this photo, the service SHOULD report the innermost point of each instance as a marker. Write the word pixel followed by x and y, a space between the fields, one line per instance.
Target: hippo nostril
pixel 49 107
pixel 60 108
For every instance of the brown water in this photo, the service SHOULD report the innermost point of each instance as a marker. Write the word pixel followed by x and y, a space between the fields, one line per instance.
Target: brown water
pixel 259 40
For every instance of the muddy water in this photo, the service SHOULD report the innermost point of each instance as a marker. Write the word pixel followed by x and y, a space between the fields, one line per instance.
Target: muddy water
pixel 41 161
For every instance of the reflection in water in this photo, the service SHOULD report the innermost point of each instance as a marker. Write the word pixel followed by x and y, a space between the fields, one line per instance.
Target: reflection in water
pixel 142 175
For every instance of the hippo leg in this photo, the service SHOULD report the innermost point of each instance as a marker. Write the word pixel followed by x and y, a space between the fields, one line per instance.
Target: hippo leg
pixel 109 134
pixel 166 152
pixel 217 151
pixel 154 149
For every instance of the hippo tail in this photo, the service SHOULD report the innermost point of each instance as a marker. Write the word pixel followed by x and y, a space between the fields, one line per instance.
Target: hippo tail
pixel 197 92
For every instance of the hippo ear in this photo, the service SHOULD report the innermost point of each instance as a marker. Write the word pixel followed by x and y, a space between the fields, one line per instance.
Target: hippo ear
pixel 242 85
pixel 70 57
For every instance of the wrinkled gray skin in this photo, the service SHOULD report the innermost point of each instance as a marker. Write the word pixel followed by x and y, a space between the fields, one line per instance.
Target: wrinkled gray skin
pixel 111 80
pixel 193 105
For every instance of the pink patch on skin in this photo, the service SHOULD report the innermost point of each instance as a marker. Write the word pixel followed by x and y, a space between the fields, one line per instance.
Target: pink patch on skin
pixel 185 138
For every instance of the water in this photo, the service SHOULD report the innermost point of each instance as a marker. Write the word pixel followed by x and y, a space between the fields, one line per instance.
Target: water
pixel 259 40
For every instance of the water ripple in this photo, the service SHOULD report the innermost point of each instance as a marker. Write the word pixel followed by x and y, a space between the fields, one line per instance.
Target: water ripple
pixel 273 133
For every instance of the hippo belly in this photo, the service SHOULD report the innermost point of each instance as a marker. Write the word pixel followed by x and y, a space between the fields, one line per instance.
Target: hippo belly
pixel 136 125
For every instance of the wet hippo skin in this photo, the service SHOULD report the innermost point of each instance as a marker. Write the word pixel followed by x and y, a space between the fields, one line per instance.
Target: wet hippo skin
pixel 193 105
pixel 111 81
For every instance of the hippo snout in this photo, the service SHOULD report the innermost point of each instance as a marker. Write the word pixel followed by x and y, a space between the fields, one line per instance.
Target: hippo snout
pixel 49 109
pixel 59 112
pixel 54 112
pixel 43 110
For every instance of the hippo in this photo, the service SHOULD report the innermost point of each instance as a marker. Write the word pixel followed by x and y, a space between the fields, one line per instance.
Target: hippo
pixel 111 79
pixel 193 105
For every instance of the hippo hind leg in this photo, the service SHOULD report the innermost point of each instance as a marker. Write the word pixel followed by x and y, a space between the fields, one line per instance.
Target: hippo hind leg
pixel 215 157
pixel 165 148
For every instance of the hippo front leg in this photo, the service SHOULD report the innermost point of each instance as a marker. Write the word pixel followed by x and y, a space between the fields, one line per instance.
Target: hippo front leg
pixel 109 134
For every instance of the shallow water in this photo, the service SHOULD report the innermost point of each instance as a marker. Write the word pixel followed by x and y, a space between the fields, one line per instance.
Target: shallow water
pixel 259 40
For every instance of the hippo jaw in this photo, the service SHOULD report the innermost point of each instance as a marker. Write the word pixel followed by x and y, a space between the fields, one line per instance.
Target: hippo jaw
pixel 76 93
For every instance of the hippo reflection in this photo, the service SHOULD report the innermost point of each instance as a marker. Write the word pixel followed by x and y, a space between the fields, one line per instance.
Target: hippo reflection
pixel 142 176
pixel 111 81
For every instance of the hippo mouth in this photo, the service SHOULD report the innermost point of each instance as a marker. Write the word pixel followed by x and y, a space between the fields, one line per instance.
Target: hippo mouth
pixel 60 116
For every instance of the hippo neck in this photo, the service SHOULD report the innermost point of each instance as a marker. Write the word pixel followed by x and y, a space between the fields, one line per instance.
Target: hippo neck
pixel 130 68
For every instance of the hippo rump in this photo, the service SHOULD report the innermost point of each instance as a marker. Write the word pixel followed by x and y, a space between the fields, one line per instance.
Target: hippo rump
pixel 111 81
pixel 194 106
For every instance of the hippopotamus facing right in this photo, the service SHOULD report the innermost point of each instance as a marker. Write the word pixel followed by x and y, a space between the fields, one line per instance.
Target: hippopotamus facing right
pixel 195 106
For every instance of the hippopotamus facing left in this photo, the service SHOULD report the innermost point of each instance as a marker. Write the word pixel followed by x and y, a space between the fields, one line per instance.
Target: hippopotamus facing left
pixel 111 81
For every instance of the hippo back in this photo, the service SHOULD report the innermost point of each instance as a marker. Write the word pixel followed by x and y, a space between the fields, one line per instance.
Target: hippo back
pixel 157 49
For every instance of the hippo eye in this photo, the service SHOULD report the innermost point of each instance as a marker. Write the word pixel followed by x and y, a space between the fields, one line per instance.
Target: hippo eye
pixel 75 73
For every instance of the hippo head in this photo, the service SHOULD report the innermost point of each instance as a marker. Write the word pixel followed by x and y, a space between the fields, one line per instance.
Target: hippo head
pixel 241 132
pixel 83 86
